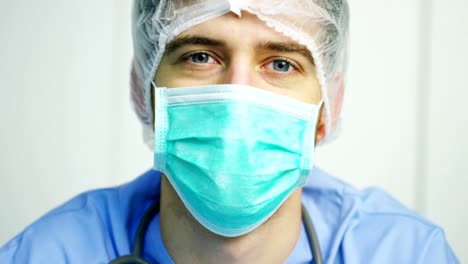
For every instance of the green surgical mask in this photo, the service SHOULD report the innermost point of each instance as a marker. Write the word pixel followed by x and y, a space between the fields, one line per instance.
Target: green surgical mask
pixel 233 153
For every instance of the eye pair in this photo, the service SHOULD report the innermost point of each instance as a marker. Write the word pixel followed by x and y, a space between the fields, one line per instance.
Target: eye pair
pixel 280 65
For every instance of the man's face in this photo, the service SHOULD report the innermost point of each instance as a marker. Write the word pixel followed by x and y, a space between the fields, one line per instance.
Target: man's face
pixel 233 50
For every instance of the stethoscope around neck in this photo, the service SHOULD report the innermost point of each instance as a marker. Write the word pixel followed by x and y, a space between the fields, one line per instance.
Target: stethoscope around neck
pixel 136 256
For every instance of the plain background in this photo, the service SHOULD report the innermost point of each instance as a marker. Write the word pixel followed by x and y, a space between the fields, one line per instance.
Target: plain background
pixel 67 124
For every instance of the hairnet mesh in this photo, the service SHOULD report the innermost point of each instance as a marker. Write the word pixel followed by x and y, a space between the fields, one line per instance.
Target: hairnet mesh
pixel 320 25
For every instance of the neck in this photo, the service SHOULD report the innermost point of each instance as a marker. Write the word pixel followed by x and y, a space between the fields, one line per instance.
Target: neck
pixel 189 242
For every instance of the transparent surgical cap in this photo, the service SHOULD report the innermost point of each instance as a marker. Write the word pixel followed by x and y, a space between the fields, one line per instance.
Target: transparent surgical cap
pixel 320 25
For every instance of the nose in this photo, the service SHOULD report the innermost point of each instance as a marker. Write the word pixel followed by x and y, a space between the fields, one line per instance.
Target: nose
pixel 239 72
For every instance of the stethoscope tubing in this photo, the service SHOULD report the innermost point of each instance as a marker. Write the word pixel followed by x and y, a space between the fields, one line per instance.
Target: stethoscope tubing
pixel 312 236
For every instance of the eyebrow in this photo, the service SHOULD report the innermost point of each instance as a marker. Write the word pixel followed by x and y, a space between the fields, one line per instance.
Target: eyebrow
pixel 292 47
pixel 192 40
pixel 288 46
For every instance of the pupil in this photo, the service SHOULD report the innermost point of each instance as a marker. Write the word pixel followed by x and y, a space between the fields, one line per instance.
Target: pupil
pixel 281 66
pixel 200 58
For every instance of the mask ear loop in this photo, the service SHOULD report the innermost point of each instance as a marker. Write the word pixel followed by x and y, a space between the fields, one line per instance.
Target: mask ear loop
pixel 320 104
pixel 153 100
pixel 160 125
pixel 153 107
pixel 148 130
pixel 308 143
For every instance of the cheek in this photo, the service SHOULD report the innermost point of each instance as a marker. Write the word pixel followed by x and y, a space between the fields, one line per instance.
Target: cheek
pixel 172 77
pixel 160 77
pixel 315 91
pixel 166 76
pixel 309 91
pixel 181 81
pixel 305 89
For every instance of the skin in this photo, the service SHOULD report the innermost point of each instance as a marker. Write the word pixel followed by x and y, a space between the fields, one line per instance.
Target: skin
pixel 235 50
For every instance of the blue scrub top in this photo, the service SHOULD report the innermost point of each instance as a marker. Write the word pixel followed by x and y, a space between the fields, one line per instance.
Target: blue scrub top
pixel 353 227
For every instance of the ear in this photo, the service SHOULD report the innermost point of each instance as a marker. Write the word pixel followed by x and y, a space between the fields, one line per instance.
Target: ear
pixel 335 104
pixel 320 130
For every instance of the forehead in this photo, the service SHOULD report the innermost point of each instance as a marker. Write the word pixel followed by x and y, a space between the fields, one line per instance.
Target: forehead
pixel 230 24
pixel 232 31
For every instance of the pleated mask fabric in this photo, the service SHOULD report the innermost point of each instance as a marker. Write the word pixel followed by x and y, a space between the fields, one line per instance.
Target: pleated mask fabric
pixel 233 153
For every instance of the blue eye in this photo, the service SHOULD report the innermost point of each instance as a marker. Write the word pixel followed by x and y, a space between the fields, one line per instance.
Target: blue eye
pixel 281 65
pixel 200 58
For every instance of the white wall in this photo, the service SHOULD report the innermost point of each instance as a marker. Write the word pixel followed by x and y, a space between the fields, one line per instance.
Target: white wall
pixel 56 79
pixel 67 123
pixel 377 144
pixel 447 126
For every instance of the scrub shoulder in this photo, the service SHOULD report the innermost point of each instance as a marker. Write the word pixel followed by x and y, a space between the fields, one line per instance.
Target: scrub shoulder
pixel 93 227
pixel 370 226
